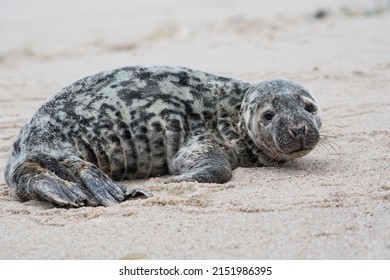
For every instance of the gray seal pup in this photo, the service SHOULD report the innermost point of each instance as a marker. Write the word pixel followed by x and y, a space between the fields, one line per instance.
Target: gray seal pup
pixel 139 122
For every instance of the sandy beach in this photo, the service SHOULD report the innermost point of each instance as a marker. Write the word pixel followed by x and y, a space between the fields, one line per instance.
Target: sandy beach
pixel 332 204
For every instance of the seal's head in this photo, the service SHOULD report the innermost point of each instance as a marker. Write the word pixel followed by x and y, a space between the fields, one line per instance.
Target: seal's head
pixel 282 119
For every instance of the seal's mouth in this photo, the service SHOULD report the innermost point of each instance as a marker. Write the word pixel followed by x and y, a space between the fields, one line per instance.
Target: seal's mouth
pixel 284 148
pixel 280 154
pixel 298 151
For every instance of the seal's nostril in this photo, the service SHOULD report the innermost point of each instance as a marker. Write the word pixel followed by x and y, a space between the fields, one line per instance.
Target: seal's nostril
pixel 297 131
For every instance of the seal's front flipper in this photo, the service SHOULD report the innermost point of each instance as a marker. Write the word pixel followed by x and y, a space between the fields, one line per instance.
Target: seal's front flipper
pixel 137 193
pixel 204 164
pixel 204 173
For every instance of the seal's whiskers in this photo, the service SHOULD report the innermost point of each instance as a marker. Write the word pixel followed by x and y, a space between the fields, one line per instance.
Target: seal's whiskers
pixel 326 143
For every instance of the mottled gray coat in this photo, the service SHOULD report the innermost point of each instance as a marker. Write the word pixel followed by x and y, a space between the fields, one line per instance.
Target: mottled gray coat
pixel 137 122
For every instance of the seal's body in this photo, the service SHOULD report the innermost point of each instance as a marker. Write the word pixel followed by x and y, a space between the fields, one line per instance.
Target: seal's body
pixel 137 122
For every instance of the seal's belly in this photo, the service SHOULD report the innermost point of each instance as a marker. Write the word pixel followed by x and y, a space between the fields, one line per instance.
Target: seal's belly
pixel 136 148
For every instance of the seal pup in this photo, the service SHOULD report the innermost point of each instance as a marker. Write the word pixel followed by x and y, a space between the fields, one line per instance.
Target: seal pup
pixel 139 122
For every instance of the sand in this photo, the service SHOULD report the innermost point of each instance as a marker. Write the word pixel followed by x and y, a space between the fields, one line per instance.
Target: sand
pixel 332 204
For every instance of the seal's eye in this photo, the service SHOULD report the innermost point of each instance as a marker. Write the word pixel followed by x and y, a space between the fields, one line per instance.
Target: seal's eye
pixel 310 108
pixel 268 116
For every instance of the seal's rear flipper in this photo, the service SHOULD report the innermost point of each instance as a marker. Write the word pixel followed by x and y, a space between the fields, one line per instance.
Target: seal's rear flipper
pixel 68 182
pixel 32 181
pixel 59 193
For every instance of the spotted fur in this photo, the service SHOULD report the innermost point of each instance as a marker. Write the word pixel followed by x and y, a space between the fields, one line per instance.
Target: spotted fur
pixel 139 122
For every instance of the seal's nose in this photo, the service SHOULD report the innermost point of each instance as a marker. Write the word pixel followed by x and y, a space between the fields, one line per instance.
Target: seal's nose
pixel 298 132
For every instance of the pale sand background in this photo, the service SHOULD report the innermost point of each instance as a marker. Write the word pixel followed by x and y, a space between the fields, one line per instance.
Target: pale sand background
pixel 332 204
